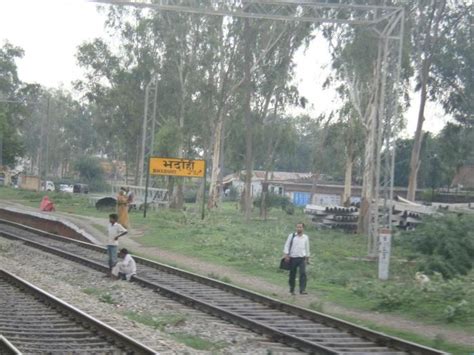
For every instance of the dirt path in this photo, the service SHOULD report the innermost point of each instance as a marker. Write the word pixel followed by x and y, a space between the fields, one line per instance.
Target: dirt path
pixel 257 284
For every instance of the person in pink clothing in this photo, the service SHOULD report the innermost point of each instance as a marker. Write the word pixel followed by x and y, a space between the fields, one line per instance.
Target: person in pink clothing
pixel 47 205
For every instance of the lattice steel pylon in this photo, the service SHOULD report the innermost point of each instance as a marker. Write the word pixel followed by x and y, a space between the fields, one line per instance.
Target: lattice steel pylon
pixel 386 22
pixel 148 128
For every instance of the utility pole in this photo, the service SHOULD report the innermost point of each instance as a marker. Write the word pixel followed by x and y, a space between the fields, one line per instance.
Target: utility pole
pixel 46 152
pixel 41 167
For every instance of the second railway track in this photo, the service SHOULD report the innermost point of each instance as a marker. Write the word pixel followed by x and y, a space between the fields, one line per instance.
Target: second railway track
pixel 33 322
pixel 307 330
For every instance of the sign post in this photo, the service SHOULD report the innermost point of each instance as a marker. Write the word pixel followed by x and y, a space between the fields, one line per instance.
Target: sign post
pixel 146 186
pixel 384 252
pixel 204 192
pixel 175 167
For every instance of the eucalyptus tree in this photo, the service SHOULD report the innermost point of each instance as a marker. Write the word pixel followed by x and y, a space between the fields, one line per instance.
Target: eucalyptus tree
pixel 115 80
pixel 266 85
pixel 277 134
pixel 354 55
pixel 442 55
pixel 454 66
pixel 242 48
pixel 187 56
pixel 455 149
pixel 11 105
pixel 350 135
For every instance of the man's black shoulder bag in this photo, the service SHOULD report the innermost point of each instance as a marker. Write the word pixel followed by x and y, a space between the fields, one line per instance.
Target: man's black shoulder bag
pixel 283 264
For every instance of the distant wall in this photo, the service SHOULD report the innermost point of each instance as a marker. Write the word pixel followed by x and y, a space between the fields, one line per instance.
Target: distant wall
pixel 29 182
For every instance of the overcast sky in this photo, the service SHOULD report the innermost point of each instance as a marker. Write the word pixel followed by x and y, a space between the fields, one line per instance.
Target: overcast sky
pixel 50 30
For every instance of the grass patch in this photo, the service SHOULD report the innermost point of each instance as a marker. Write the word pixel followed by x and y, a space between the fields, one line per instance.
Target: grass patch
pixel 317 306
pixel 219 278
pixel 103 296
pixel 198 343
pixel 157 322
pixel 92 291
pixel 337 268
pixel 107 298
pixel 63 202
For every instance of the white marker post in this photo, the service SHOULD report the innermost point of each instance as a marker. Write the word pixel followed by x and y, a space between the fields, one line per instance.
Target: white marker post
pixel 385 238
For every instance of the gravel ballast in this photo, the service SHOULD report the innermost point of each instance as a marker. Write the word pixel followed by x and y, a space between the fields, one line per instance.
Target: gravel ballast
pixel 150 318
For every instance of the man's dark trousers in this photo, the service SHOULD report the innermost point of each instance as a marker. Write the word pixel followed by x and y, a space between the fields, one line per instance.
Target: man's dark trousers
pixel 294 264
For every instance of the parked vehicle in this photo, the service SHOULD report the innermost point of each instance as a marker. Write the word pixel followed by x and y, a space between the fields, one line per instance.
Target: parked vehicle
pixel 47 186
pixel 66 188
pixel 80 189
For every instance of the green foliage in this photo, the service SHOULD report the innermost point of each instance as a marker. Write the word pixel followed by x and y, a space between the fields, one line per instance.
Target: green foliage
pixel 90 172
pixel 274 200
pixel 452 63
pixel 453 298
pixel 455 148
pixel 190 195
pixel 457 311
pixel 232 195
pixel 107 298
pixel 391 297
pixel 197 342
pixel 92 291
pixel 167 140
pixel 10 112
pixel 445 244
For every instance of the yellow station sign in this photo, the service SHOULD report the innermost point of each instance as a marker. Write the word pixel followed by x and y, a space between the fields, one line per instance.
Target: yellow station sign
pixel 177 167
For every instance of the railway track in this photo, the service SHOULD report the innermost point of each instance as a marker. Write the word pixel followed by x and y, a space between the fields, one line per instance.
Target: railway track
pixel 306 330
pixel 33 321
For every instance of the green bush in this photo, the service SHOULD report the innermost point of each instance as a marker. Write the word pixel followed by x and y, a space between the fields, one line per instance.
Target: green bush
pixel 190 195
pixel 91 173
pixel 290 209
pixel 444 244
pixel 391 297
pixel 278 201
pixel 428 195
pixel 458 311
pixel 453 298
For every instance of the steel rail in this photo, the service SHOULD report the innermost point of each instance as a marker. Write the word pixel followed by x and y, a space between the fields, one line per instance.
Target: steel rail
pixel 97 328
pixel 7 348
pixel 272 304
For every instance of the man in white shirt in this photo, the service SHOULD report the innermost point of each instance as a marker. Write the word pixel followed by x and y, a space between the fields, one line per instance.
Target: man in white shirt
pixel 115 231
pixel 126 268
pixel 296 253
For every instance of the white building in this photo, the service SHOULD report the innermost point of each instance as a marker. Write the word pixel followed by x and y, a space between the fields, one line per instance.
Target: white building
pixel 275 178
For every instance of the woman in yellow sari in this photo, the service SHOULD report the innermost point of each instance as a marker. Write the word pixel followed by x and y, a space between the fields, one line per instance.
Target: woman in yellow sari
pixel 122 208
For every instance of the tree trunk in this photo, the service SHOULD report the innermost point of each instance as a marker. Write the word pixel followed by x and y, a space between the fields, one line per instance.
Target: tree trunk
pixel 137 160
pixel 368 176
pixel 127 166
pixel 415 153
pixel 314 184
pixel 437 9
pixel 177 199
pixel 247 86
pixel 220 177
pixel 216 151
pixel 263 197
pixel 346 196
